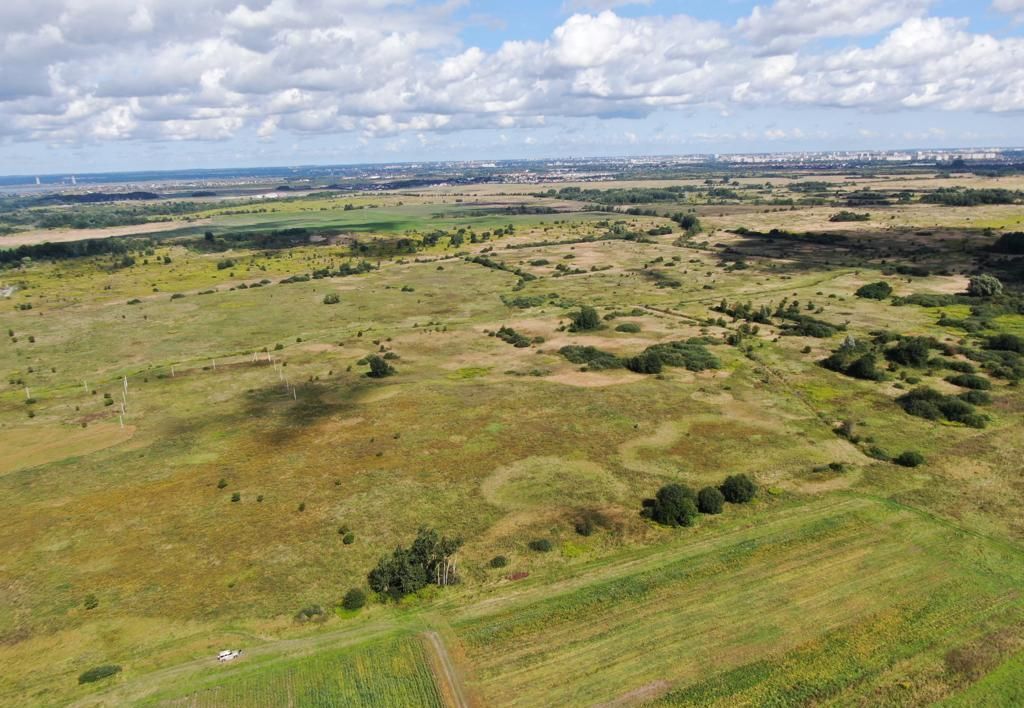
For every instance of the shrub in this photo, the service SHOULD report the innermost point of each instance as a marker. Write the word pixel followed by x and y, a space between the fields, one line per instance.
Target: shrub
pixel 646 363
pixel 98 672
pixel 972 381
pixel 930 404
pixel 308 613
pixel 584 526
pixel 877 453
pixel 594 358
pixel 354 599
pixel 630 327
pixel 912 351
pixel 976 398
pixel 738 489
pixel 236 497
pixel 379 368
pixel 348 539
pixel 710 501
pixel 222 483
pixel 875 291
pixel 974 420
pixel 541 545
pixel 584 320
pixel 225 264
pixel 691 354
pixel 984 286
pixel 909 459
pixel 1006 343
pixel 91 602
pixel 674 505
pixel 498 562
pixel 332 299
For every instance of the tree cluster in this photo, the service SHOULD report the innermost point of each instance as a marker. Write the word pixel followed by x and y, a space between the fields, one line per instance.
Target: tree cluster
pixel 679 505
pixel 429 560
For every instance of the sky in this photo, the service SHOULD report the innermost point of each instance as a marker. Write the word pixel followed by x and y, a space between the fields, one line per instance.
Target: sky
pixel 113 85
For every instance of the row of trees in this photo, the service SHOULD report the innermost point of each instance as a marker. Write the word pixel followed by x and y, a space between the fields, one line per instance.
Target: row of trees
pixel 679 505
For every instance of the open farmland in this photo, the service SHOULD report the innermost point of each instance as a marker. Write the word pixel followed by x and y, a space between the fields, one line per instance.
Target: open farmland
pixel 192 452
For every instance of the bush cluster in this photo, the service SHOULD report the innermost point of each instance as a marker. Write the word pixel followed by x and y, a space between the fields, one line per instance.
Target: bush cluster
pixel 927 403
pixel 679 505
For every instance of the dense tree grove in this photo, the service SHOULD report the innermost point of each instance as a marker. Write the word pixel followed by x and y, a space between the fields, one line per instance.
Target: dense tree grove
pixel 429 560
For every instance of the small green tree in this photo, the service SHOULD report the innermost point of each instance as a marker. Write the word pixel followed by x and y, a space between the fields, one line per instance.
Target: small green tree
pixel 910 459
pixel 984 285
pixel 875 291
pixel 710 501
pixel 738 489
pixel 332 299
pixel 674 505
pixel 379 368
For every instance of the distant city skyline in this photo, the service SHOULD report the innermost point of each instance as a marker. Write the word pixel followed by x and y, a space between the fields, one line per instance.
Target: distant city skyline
pixel 117 85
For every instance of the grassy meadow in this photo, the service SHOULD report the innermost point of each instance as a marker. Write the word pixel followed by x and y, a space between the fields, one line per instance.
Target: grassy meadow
pixel 186 441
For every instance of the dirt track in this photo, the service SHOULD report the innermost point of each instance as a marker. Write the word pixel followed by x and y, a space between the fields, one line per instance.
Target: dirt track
pixel 451 677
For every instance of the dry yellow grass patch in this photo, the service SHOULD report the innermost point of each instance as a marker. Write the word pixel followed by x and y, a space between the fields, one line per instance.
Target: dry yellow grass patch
pixel 31 446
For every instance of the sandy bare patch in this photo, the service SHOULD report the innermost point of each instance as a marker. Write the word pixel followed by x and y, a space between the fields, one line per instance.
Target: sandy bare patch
pixel 28 238
pixel 593 379
pixel 951 285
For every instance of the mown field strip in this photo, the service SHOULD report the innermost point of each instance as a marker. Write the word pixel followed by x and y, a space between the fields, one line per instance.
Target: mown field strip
pixel 734 603
pixel 634 561
pixel 391 673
